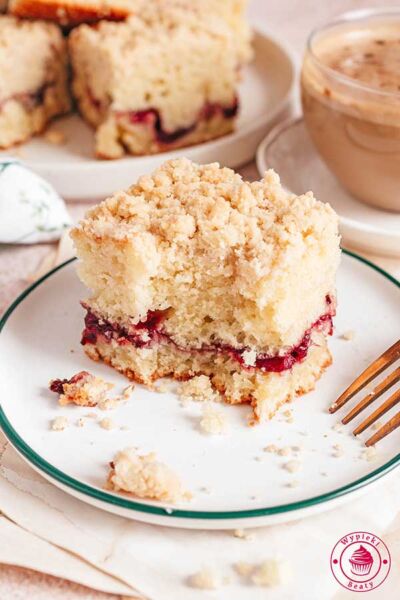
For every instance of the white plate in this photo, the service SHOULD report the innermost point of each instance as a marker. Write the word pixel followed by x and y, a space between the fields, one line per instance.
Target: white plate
pixel 289 150
pixel 265 95
pixel 44 325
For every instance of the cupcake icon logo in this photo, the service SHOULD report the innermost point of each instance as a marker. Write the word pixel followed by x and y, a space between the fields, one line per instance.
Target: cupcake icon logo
pixel 360 561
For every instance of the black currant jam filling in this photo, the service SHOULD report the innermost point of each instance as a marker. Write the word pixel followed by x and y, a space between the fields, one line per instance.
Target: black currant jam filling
pixel 152 117
pixel 150 331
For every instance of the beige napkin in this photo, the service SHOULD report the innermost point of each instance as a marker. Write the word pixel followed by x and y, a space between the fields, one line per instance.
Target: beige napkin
pixel 23 549
pixel 155 561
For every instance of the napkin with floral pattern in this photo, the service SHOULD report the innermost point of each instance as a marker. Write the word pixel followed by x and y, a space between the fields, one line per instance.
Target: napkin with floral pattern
pixel 31 211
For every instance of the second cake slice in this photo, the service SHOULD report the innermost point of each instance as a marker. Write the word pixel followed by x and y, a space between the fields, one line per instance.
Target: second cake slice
pixel 157 82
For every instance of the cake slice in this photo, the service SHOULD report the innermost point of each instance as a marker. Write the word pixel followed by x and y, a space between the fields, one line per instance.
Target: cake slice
pixel 193 271
pixel 159 82
pixel 33 87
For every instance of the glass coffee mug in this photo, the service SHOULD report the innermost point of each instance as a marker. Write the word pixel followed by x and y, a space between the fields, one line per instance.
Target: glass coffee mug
pixel 350 86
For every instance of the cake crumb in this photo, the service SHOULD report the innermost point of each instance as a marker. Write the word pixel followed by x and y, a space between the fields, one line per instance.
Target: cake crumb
pixel 205 579
pixel 55 136
pixel 288 416
pixel 80 422
pixel 348 335
pixel 284 451
pixel 212 421
pixel 292 484
pixel 82 389
pixel 376 425
pixel 59 423
pixel 205 490
pixel 107 424
pixel 145 477
pixel 272 448
pixel 292 466
pixel 108 404
pixel 370 454
pixel 337 451
pixel 243 569
pixel 270 573
pixel 242 534
pixel 199 389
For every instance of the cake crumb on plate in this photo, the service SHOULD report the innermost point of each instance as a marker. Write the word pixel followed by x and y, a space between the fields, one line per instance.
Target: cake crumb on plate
pixel 82 389
pixel 212 421
pixel 292 466
pixel 370 454
pixel 59 423
pixel 107 424
pixel 145 477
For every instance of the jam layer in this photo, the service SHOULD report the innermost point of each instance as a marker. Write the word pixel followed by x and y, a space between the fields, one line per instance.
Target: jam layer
pixel 149 332
pixel 152 118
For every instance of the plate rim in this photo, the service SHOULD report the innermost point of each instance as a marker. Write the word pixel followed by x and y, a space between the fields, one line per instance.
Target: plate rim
pixel 272 135
pixel 235 136
pixel 32 457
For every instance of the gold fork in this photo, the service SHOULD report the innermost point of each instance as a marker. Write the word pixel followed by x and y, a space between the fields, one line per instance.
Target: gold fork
pixel 384 361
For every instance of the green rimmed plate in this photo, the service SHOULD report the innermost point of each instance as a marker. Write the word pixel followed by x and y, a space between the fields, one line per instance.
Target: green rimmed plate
pixel 234 483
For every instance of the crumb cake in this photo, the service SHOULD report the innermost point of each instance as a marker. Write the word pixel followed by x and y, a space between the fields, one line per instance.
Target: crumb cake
pixel 194 271
pixel 71 12
pixel 146 85
pixel 33 87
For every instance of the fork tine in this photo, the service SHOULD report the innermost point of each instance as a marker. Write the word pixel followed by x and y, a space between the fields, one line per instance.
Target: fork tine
pixel 390 426
pixel 381 410
pixel 380 364
pixel 380 389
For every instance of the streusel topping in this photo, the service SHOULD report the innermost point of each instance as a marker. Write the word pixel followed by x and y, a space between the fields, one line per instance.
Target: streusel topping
pixel 238 262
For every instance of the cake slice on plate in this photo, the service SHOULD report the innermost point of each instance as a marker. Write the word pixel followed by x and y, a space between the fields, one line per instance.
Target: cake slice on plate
pixel 157 82
pixel 195 272
pixel 33 85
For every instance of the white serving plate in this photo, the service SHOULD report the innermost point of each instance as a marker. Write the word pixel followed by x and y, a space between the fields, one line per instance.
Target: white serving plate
pixel 42 328
pixel 266 95
pixel 289 150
